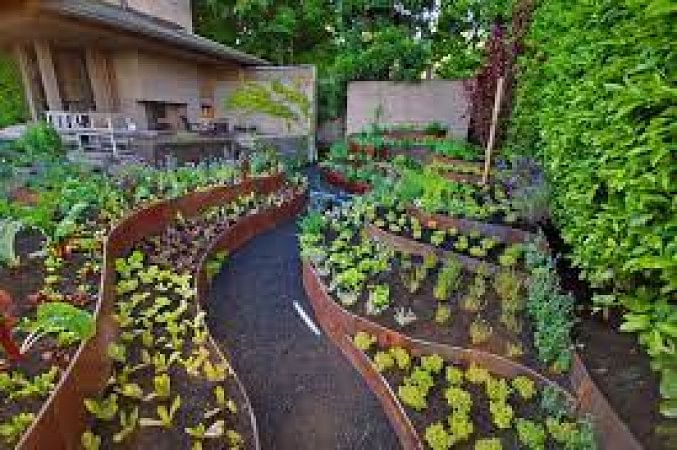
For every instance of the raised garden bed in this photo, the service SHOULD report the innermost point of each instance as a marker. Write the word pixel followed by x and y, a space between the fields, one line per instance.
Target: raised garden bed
pixel 447 299
pixel 63 417
pixel 505 233
pixel 340 181
pixel 340 324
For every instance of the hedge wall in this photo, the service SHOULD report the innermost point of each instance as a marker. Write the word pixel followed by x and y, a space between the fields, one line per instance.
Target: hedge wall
pixel 12 104
pixel 596 103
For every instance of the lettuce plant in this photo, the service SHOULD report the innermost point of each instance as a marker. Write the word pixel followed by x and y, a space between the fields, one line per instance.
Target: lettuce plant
pixel 14 428
pixel 90 441
pixel 105 409
pixel 531 434
pixel 437 437
pixel 363 341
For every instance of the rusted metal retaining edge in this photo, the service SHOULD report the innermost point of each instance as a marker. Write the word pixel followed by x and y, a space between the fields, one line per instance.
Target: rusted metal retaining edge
pixel 63 418
pixel 338 180
pixel 412 247
pixel 613 430
pixel 441 159
pixel 503 233
pixel 232 239
pixel 463 178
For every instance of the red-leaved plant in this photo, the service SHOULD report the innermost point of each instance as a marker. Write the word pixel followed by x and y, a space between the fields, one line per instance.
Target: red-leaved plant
pixel 7 322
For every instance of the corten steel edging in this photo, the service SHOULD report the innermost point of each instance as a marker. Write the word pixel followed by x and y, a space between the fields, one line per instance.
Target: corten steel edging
pixel 504 233
pixel 338 180
pixel 437 158
pixel 463 178
pixel 62 418
pixel 614 433
pixel 233 238
pixel 340 323
pixel 412 247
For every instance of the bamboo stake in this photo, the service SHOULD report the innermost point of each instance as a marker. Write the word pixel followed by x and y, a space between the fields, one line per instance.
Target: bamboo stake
pixel 492 130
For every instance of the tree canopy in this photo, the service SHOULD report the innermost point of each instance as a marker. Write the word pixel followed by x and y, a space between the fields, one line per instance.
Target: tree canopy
pixel 357 39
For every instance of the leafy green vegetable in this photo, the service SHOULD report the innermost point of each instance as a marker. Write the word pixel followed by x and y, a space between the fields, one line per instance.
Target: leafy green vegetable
pixel 90 441
pixel 14 428
pixel 8 231
pixel 104 409
pixel 69 323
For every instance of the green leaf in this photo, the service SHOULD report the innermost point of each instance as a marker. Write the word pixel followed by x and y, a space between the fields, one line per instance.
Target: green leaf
pixel 635 322
pixel 668 386
pixel 55 317
pixel 668 408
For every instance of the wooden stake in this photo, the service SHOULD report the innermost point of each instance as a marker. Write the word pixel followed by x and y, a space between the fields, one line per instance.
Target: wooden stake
pixel 492 130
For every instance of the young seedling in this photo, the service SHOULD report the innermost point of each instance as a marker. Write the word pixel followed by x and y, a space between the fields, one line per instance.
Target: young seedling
pixel 90 441
pixel 104 409
pixel 129 421
pixel 404 316
pixel 165 415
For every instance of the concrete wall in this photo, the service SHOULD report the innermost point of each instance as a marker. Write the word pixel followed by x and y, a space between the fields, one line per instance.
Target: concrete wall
pixel 445 101
pixel 145 77
pixel 126 66
pixel 300 77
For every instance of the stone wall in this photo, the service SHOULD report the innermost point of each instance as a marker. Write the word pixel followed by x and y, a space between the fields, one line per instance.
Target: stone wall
pixel 445 101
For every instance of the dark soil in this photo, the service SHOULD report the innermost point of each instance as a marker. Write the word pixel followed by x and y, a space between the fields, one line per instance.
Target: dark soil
pixel 305 394
pixel 456 330
pixel 22 283
pixel 27 278
pixel 618 365
pixel 449 243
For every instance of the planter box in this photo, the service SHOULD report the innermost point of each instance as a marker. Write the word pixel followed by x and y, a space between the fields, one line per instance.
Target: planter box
pixel 338 180
pixel 340 324
pixel 503 233
pixel 63 418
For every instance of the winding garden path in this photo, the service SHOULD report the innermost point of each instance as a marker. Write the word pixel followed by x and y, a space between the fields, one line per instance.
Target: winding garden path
pixel 305 394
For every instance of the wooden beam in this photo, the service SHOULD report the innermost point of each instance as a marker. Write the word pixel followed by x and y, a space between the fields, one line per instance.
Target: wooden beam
pixel 492 130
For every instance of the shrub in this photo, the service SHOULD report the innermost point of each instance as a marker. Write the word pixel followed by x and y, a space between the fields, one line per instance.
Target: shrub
pixel 595 102
pixel 41 140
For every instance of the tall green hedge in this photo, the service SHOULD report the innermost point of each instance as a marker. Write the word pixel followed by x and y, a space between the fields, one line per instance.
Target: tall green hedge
pixel 596 103
pixel 12 102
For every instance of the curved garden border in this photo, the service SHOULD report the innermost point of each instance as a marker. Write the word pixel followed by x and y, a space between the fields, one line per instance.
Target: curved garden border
pixel 62 418
pixel 339 180
pixel 340 324
pixel 591 398
pixel 436 157
pixel 507 234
